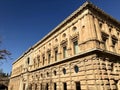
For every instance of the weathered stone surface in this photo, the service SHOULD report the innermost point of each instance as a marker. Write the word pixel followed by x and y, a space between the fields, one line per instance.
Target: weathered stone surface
pixel 82 53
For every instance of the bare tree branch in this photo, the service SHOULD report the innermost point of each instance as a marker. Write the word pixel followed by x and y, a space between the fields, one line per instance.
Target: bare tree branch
pixel 4 54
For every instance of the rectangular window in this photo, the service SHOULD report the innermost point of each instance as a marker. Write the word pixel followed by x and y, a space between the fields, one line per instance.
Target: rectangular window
pixel 38 58
pixel 64 52
pixel 56 55
pixel 104 42
pixel 75 47
pixel 49 57
pixel 78 86
pixel 64 86
pixel 35 86
pixel 55 86
pixel 30 87
pixel 43 59
pixel 47 86
pixel 114 43
pixel 24 85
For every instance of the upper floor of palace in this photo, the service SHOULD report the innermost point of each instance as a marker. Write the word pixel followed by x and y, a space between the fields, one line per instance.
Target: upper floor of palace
pixel 85 29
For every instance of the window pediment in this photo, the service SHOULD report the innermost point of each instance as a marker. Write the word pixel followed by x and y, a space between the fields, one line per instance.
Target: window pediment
pixel 74 37
pixel 63 42
pixel 48 50
pixel 55 47
pixel 104 34
pixel 114 37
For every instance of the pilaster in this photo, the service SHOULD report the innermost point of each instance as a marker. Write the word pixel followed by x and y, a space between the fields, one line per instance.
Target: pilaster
pixel 98 31
pixel 92 26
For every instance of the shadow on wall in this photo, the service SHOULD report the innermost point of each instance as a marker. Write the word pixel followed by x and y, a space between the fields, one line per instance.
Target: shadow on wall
pixel 3 87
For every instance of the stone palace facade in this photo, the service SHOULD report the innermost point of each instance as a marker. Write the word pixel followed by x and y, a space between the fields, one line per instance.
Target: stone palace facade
pixel 81 53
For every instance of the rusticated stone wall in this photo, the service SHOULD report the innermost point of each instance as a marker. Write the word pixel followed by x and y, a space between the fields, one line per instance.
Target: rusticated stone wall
pixel 82 53
pixel 93 72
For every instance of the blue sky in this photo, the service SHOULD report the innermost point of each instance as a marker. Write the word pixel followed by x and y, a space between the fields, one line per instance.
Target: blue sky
pixel 24 22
